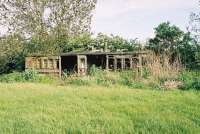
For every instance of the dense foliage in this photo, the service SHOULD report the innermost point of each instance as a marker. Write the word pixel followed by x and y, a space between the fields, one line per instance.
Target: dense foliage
pixel 171 41
pixel 41 26
pixel 39 17
pixel 195 31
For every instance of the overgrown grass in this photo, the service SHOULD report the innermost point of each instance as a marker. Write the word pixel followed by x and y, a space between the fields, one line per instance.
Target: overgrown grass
pixel 188 80
pixel 37 108
pixel 191 80
pixel 27 76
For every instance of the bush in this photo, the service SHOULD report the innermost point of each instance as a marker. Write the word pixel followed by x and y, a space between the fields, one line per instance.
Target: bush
pixel 13 77
pixel 94 71
pixel 191 80
pixel 30 76
pixel 127 78
pixel 27 76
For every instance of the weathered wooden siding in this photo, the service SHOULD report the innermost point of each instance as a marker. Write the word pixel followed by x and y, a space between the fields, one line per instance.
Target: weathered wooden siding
pixel 45 65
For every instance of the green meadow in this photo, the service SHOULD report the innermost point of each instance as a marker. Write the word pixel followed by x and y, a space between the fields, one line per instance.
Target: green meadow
pixel 27 108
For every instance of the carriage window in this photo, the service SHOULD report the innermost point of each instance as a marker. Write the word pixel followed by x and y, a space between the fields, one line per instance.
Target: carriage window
pixel 51 64
pixel 45 64
pixel 82 63
pixel 39 64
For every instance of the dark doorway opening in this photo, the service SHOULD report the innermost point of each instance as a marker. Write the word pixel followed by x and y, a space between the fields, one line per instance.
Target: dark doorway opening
pixel 127 64
pixel 69 64
pixel 97 60
pixel 119 64
pixel 111 64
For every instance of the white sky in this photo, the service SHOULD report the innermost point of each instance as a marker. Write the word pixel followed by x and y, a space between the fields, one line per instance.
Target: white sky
pixel 137 18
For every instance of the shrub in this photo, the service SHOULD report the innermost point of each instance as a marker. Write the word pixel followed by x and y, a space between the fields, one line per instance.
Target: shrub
pixel 30 76
pixel 27 76
pixel 13 77
pixel 191 80
pixel 102 77
pixel 105 78
pixel 127 78
pixel 94 71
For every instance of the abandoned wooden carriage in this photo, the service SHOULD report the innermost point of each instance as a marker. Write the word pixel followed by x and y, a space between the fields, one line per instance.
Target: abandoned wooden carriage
pixel 80 63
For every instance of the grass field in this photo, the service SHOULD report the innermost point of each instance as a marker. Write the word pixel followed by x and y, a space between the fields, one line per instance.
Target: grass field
pixel 39 108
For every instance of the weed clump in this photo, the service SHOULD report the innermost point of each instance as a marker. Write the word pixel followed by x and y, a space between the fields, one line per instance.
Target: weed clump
pixel 26 76
pixel 190 80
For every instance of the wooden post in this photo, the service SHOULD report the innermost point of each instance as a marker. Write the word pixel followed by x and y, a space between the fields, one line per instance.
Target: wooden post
pixel 131 63
pixel 86 66
pixel 107 63
pixel 60 67
pixel 54 64
pixel 42 62
pixel 78 64
pixel 140 65
pixel 82 64
pixel 122 64
pixel 48 65
pixel 115 63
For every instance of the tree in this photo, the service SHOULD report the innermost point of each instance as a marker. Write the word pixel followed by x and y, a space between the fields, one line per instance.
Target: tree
pixel 41 27
pixel 38 17
pixel 194 28
pixel 187 49
pixel 171 41
pixel 115 43
pixel 11 53
pixel 166 39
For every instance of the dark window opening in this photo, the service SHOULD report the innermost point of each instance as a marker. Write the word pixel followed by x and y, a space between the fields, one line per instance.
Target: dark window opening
pixel 57 64
pixel 97 60
pixel 119 64
pixel 127 64
pixel 69 64
pixel 111 64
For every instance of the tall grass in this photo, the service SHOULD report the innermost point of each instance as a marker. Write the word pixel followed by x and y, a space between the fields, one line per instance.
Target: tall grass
pixel 46 109
pixel 27 76
pixel 161 67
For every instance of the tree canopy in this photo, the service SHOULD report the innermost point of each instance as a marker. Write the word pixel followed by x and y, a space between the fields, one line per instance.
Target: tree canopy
pixel 171 41
pixel 33 17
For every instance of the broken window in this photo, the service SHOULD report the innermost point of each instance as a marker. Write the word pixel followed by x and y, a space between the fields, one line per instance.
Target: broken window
pixel 51 64
pixel 45 65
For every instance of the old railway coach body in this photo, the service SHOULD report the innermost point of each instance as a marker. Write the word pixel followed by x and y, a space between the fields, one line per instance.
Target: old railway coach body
pixel 80 63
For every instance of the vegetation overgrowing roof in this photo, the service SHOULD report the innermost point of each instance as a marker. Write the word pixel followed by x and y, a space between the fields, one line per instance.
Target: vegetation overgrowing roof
pixel 94 53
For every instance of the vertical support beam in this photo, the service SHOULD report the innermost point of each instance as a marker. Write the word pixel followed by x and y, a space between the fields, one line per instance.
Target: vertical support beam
pixel 60 67
pixel 42 62
pixel 78 64
pixel 122 63
pixel 48 65
pixel 115 64
pixel 131 63
pixel 82 64
pixel 107 62
pixel 54 64
pixel 86 65
pixel 140 65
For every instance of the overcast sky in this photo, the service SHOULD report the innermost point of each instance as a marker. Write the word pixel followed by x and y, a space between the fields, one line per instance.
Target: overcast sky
pixel 137 18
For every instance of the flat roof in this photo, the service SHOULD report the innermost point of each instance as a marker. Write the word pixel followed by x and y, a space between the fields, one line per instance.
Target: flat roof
pixel 92 53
